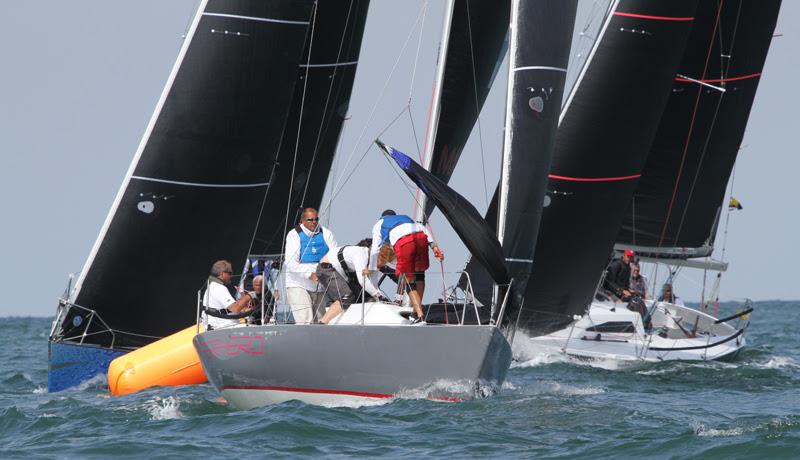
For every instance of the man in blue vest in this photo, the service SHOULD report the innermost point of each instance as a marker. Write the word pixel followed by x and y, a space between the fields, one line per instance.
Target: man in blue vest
pixel 410 241
pixel 306 244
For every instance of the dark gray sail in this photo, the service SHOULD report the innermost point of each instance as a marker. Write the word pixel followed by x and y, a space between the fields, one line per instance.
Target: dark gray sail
pixel 472 48
pixel 606 129
pixel 540 38
pixel 676 207
pixel 324 82
pixel 193 191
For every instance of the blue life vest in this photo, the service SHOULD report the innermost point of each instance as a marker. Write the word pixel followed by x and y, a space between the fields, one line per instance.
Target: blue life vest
pixel 390 222
pixel 312 249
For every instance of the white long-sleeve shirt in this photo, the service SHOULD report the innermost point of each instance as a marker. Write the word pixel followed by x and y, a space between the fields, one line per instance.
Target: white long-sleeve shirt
pixel 394 235
pixel 298 274
pixel 356 258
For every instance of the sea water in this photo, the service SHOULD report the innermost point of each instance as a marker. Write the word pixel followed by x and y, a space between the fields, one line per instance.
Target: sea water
pixel 550 407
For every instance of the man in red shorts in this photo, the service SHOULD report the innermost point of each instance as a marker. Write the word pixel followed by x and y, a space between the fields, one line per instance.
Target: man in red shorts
pixel 410 241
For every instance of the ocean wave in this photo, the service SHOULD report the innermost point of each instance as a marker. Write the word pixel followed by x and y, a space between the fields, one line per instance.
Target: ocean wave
pixel 571 390
pixel 163 408
pixel 778 362
pixel 777 424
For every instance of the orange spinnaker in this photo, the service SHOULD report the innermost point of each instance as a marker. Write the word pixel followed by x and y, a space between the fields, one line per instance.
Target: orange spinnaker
pixel 167 362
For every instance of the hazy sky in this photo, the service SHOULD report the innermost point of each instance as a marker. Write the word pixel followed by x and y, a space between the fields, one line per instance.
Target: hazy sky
pixel 80 80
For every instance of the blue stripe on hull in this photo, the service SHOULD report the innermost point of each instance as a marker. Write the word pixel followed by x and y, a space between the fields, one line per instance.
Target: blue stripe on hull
pixel 70 364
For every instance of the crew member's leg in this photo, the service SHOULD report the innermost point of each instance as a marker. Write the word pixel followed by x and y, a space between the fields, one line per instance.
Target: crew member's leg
pixel 300 303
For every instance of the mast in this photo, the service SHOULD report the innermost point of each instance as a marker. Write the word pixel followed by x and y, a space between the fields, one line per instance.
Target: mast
pixel 475 46
pixel 433 119
pixel 675 210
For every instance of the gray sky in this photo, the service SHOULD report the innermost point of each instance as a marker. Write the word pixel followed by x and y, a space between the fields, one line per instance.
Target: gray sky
pixel 80 80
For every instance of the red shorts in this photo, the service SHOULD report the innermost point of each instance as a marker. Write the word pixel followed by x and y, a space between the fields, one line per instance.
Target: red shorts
pixel 412 254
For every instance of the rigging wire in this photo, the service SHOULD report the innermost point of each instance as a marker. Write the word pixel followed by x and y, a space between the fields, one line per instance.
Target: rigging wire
pixel 280 145
pixel 300 122
pixel 322 120
pixel 691 128
pixel 477 106
pixel 371 115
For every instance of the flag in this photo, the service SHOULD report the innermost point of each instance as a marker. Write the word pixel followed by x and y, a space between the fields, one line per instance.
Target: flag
pixel 734 205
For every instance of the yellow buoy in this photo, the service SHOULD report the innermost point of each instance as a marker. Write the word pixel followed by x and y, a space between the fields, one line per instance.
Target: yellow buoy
pixel 167 362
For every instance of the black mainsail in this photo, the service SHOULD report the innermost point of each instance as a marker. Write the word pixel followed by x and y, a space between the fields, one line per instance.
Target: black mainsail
pixel 324 82
pixel 192 193
pixel 473 45
pixel 606 129
pixel 677 204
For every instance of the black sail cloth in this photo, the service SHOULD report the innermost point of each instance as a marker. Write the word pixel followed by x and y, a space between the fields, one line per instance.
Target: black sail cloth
pixel 200 174
pixel 540 38
pixel 475 49
pixel 605 132
pixel 323 86
pixel 677 201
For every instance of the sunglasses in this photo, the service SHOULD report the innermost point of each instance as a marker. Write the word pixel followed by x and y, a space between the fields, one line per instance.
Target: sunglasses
pixel 316 219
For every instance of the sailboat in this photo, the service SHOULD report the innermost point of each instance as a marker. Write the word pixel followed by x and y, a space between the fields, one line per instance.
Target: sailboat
pixel 371 351
pixel 226 142
pixel 673 216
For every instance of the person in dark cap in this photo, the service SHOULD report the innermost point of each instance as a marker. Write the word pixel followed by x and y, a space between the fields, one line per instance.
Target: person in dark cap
pixel 409 241
pixel 618 276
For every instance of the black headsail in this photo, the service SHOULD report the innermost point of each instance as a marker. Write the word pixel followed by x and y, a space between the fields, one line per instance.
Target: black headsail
pixel 678 200
pixel 471 51
pixel 540 38
pixel 193 190
pixel 324 82
pixel 606 129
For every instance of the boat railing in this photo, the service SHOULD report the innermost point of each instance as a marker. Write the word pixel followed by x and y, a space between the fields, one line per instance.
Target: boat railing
pixel 88 318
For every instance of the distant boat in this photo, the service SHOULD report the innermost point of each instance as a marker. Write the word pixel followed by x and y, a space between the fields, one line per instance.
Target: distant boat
pixel 233 129
pixel 673 216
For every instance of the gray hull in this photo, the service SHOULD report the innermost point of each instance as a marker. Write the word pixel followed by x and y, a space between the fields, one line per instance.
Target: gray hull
pixel 260 365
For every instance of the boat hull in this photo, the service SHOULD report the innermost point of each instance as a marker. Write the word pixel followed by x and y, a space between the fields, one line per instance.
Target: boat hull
pixel 676 342
pixel 261 365
pixel 70 364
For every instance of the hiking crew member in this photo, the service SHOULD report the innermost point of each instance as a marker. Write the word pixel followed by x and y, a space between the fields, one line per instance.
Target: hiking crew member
pixel 219 299
pixel 410 241
pixel 306 245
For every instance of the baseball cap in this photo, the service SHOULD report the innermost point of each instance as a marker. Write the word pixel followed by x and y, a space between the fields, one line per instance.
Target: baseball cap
pixel 388 212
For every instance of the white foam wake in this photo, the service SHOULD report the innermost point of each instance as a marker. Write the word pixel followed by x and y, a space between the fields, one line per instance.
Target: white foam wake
pixel 163 408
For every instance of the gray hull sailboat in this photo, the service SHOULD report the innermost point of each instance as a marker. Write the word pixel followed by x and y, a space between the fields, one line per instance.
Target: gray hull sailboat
pixel 371 351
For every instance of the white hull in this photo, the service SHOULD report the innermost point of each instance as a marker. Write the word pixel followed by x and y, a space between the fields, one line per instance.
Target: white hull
pixel 612 332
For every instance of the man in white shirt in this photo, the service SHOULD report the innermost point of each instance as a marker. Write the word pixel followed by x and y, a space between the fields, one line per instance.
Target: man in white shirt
pixel 306 245
pixel 345 288
pixel 219 300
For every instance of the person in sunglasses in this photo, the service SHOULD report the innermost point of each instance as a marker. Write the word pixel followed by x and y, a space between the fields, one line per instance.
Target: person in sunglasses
pixel 218 299
pixel 306 244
